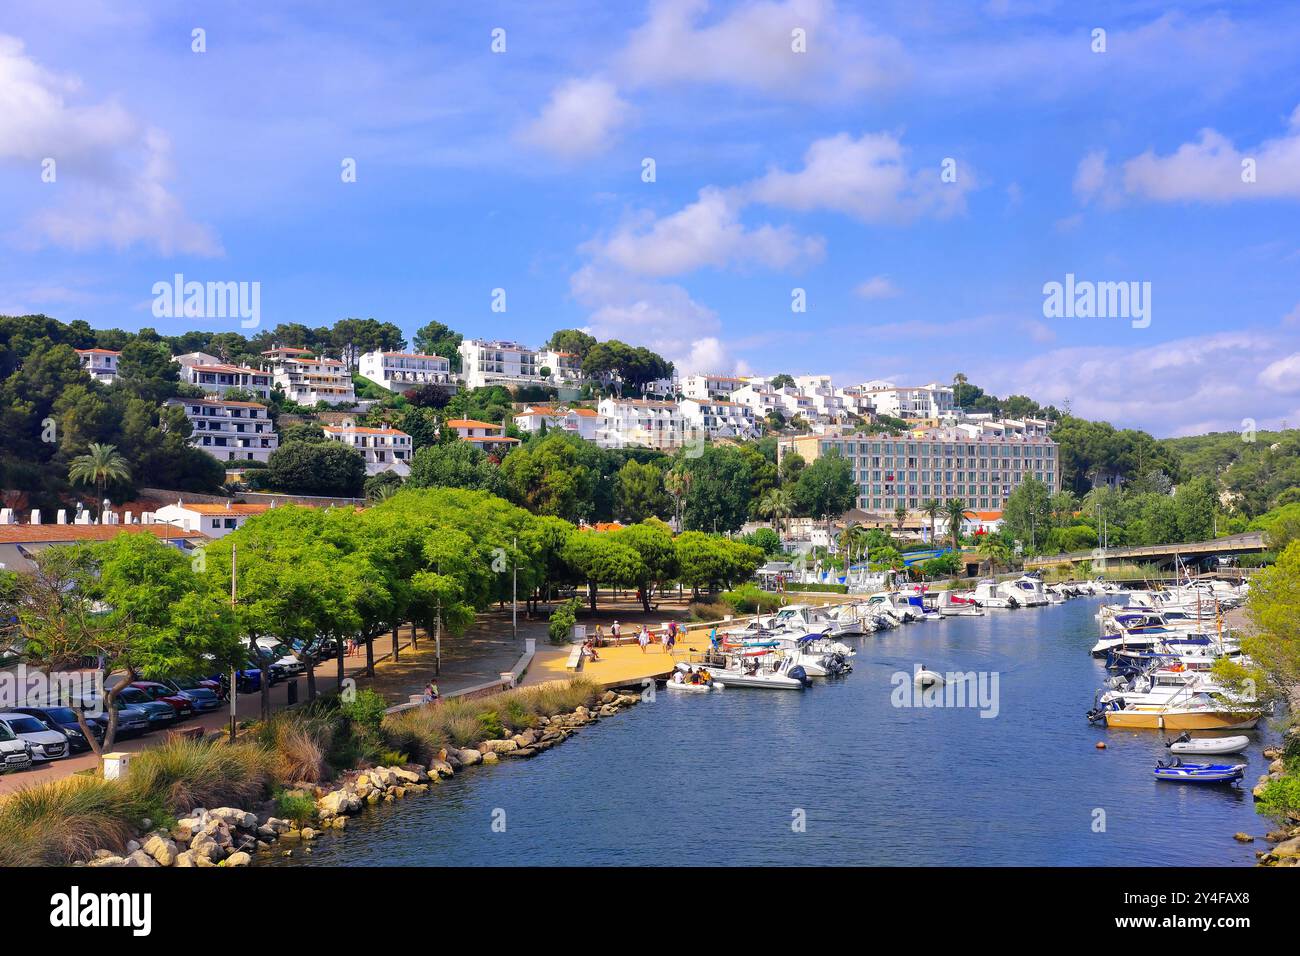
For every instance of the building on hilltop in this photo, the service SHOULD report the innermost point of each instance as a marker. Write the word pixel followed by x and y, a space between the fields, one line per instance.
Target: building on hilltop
pixel 398 371
pixel 101 364
pixel 384 449
pixel 230 431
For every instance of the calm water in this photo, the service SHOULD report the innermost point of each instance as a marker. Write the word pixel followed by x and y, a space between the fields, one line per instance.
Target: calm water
pixel 724 773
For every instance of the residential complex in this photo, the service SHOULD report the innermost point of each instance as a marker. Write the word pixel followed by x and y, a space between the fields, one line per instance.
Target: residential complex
pixel 100 363
pixel 583 422
pixel 384 449
pixel 640 423
pixel 230 431
pixel 720 419
pixel 942 463
pixel 398 371
pixel 491 438
pixel 485 363
pixel 216 377
pixel 213 520
pixel 307 379
pixel 933 401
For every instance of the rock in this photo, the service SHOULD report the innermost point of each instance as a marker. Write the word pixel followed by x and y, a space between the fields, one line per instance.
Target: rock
pixel 1271 753
pixel 490 757
pixel 238 859
pixel 132 846
pixel 205 848
pixel 1289 848
pixel 146 824
pixel 340 823
pixel 161 849
pixel 470 757
pixel 442 768
pixel 627 700
pixel 407 776
pixel 279 825
pixel 1243 838
pixel 232 817
pixel 267 834
pixel 608 697
pixel 110 860
pixel 497 746
pixel 139 858
pixel 103 854
pixel 1277 766
pixel 609 710
pixel 185 859
pixel 338 803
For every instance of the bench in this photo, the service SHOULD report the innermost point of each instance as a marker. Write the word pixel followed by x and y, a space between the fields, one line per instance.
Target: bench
pixel 574 663
pixel 185 733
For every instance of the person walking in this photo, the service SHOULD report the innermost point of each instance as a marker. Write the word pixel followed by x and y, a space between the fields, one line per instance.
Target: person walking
pixel 614 631
pixel 600 636
pixel 671 638
pixel 643 638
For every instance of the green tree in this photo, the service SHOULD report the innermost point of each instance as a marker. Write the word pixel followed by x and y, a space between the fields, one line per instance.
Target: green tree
pixel 602 559
pixel 328 468
pixel 457 464
pixel 777 505
pixel 658 557
pixel 100 466
pixel 639 493
pixel 826 487
pixel 435 338
pixel 954 513
pixel 1027 513
pixel 719 490
pixel 557 475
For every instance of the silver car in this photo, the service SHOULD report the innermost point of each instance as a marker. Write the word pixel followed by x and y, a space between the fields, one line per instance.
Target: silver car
pixel 45 744
pixel 14 753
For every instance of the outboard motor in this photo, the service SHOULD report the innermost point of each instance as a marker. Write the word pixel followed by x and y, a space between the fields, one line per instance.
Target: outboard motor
pixel 798 673
pixel 1012 602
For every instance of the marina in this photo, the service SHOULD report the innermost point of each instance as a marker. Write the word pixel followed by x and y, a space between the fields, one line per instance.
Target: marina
pixel 924 781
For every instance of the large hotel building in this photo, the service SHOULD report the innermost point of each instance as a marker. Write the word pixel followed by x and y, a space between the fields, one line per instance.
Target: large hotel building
pixel 942 463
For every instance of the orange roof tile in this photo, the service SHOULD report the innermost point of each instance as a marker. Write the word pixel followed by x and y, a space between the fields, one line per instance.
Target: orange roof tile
pixel 56 533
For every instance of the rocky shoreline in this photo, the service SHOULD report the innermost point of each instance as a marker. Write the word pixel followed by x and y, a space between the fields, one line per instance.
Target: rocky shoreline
pixel 234 837
pixel 1286 851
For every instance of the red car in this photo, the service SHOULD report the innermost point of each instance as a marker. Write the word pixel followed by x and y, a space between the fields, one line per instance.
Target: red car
pixel 183 706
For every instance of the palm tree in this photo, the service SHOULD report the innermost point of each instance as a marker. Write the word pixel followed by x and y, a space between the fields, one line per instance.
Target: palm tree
pixel 900 516
pixel 931 507
pixel 994 550
pixel 777 504
pixel 100 465
pixel 677 482
pixel 955 511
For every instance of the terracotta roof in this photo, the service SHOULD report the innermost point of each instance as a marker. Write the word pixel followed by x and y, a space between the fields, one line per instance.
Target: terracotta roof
pixel 97 352
pixel 469 423
pixel 585 412
pixel 23 533
pixel 489 439
pixel 204 508
pixel 987 515
pixel 363 430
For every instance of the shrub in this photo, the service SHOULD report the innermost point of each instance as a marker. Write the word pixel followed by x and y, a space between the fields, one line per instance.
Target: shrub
pixel 709 611
pixel 490 725
pixel 183 774
pixel 55 823
pixel 1280 799
pixel 366 711
pixel 751 599
pixel 300 741
pixel 298 807
pixel 562 620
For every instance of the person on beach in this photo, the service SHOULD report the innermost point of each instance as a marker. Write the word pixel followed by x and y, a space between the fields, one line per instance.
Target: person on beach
pixel 614 630
pixel 671 638
pixel 643 638
pixel 713 637
pixel 600 636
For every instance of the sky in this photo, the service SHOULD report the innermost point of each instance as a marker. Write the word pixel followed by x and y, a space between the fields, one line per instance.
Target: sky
pixel 686 174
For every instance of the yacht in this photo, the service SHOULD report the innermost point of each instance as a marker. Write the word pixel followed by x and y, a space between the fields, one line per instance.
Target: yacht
pixel 987 595
pixel 1026 589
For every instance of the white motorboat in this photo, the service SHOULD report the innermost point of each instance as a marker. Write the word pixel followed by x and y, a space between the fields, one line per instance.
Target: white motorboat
pixel 1205 746
pixel 926 678
pixel 760 669
pixel 694 680
pixel 952 604
pixel 987 595
pixel 1026 589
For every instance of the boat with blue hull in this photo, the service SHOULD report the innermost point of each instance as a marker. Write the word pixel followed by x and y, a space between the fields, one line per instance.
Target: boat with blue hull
pixel 1178 772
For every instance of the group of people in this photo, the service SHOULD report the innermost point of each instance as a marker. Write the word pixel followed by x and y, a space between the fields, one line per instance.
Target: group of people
pixel 671 632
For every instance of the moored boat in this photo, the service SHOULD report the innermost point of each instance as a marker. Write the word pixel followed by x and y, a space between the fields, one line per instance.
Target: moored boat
pixel 1178 772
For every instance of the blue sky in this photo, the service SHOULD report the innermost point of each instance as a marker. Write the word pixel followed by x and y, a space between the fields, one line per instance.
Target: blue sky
pixel 774 170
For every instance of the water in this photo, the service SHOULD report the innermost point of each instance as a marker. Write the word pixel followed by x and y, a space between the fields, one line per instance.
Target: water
pixel 719 778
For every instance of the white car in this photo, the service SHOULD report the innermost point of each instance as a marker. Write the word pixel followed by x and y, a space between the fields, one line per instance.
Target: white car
pixel 14 753
pixel 45 744
pixel 285 663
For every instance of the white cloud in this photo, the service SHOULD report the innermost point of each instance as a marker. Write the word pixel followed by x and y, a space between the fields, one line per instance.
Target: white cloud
pixel 708 232
pixel 660 316
pixel 866 178
pixel 580 119
pixel 877 287
pixel 750 47
pixel 111 170
pixel 1210 169
pixel 1283 375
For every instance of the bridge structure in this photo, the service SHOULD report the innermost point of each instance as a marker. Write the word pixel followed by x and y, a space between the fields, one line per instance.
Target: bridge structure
pixel 1190 552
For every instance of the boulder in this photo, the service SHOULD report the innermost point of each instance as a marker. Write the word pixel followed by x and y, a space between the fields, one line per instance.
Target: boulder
pixel 1289 848
pixel 442 768
pixel 237 859
pixel 140 858
pixel 338 803
pixel 109 860
pixel 185 858
pixel 1243 838
pixel 469 757
pixel 409 776
pixel 490 757
pixel 627 700
pixel 497 746
pixel 161 849
pixel 232 817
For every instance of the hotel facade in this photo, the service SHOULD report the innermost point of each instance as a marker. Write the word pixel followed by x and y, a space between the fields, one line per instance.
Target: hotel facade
pixel 907 470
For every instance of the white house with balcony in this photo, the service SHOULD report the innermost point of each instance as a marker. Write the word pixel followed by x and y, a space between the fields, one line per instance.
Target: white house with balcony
pixel 719 419
pixel 923 402
pixel 485 435
pixel 384 449
pixel 398 371
pixel 499 363
pixel 230 431
pixel 706 387
pixel 629 422
pixel 216 377
pixel 583 422
pixel 101 364
pixel 565 368
pixel 214 520
pixel 308 379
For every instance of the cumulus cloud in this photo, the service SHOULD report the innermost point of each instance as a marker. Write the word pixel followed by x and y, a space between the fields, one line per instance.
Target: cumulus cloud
pixel 751 47
pixel 707 232
pixel 1209 169
pixel 111 170
pixel 1179 387
pixel 662 316
pixel 581 118
pixel 867 178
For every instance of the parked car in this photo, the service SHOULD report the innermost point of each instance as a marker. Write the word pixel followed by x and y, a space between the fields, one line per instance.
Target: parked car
pixel 160 714
pixel 65 719
pixel 204 695
pixel 45 742
pixel 183 706
pixel 15 754
pixel 132 721
pixel 284 663
pixel 248 678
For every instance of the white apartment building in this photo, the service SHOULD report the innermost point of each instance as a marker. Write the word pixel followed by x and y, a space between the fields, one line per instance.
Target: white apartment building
pixel 215 377
pixel 499 363
pixel 230 431
pixel 307 380
pixel 706 387
pixel 100 363
pixel 491 438
pixel 640 422
pixel 214 520
pixel 933 401
pixel 827 402
pixel 984 423
pixel 719 419
pixel 384 449
pixel 565 367
pixel 398 371
pixel 583 422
